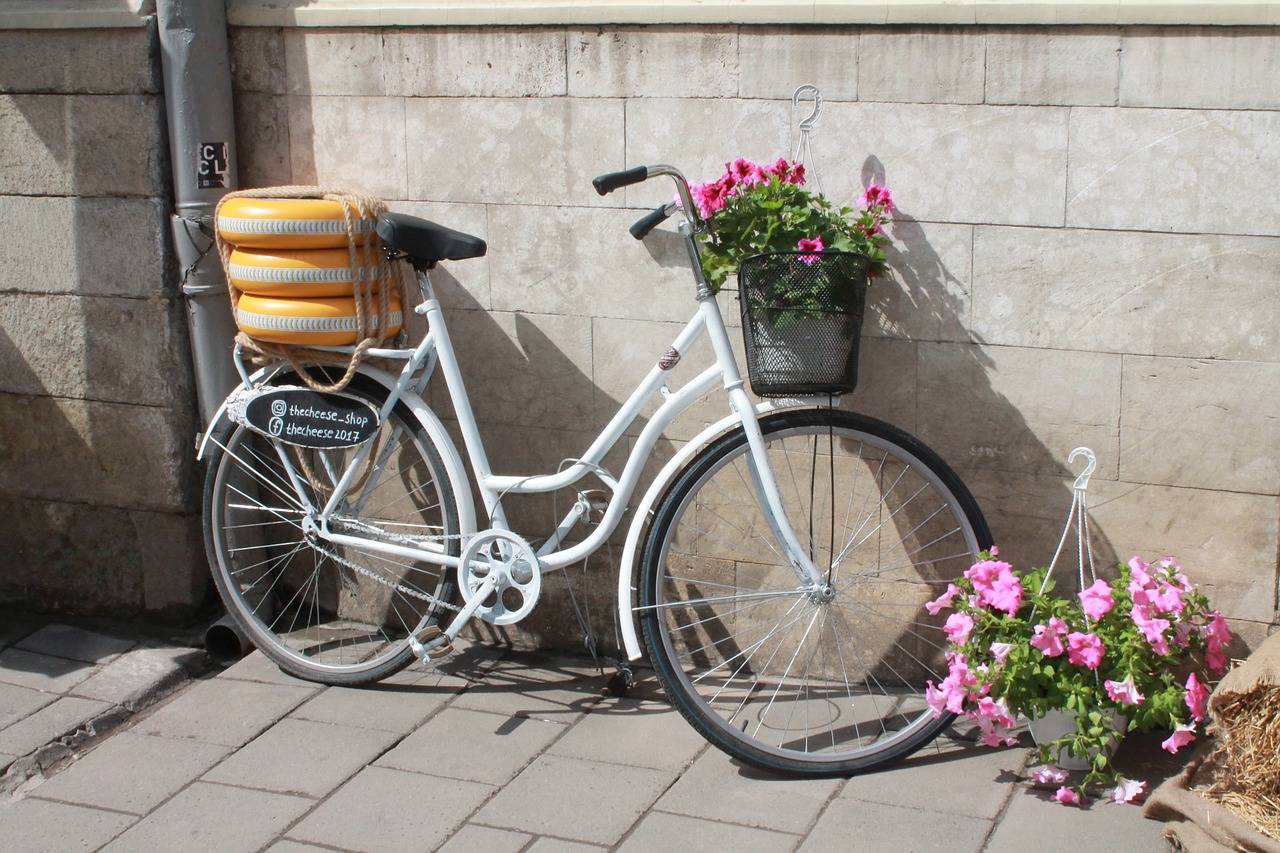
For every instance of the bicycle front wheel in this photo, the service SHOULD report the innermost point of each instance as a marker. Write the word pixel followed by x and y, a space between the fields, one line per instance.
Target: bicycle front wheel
pixel 320 611
pixel 783 674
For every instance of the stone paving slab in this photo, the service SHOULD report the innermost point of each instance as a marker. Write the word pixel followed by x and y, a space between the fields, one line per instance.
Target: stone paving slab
pixel 67 641
pixel 213 817
pixel 495 751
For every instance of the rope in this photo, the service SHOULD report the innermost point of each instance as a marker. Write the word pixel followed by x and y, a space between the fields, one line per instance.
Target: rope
pixel 368 263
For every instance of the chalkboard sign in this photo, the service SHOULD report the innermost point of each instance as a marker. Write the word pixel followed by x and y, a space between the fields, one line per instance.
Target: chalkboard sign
pixel 307 418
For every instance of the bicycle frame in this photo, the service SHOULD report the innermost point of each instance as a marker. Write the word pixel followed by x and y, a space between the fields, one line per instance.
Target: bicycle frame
pixel 435 352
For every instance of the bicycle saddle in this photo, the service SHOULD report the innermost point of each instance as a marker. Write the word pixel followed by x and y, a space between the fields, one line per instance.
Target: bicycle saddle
pixel 427 242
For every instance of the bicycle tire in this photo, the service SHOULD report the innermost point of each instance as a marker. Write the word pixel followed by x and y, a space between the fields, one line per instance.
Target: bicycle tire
pixel 323 612
pixel 805 682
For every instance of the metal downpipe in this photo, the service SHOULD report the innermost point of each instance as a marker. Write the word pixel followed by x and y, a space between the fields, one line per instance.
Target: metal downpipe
pixel 196 67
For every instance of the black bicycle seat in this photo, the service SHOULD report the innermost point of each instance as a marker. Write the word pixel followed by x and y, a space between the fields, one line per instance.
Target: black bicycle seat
pixel 426 241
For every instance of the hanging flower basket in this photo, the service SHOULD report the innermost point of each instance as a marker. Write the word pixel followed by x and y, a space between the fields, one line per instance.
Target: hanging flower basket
pixel 802 321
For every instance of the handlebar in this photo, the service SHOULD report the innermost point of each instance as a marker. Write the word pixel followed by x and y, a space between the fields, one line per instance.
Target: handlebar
pixel 607 183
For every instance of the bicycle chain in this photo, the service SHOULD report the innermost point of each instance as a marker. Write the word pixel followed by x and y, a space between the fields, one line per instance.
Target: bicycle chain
pixel 412 593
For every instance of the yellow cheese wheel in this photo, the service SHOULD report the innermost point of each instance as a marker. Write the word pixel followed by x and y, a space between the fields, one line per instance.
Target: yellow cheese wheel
pixel 305 322
pixel 287 223
pixel 304 273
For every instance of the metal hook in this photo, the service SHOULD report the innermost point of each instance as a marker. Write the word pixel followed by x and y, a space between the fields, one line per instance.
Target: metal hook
pixel 1082 482
pixel 812 118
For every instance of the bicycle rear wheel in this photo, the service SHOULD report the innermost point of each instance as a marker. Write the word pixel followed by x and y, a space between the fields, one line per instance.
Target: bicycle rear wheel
pixel 784 676
pixel 320 611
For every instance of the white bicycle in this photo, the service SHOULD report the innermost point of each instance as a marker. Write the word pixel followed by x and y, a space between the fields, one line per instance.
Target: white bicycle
pixel 778 564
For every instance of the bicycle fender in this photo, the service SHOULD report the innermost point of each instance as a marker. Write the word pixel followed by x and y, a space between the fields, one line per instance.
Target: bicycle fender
pixel 644 510
pixel 449 455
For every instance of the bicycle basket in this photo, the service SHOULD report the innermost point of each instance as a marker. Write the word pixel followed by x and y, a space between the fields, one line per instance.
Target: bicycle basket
pixel 802 320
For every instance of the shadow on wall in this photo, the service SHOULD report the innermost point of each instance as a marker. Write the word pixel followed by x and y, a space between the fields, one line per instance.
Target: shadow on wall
pixel 921 314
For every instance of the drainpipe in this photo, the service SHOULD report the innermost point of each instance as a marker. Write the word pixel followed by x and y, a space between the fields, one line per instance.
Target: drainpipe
pixel 202 146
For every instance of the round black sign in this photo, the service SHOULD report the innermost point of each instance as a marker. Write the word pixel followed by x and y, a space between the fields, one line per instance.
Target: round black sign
pixel 309 418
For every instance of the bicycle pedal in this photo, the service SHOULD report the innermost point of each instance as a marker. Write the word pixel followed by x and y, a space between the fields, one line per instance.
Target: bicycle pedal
pixel 431 644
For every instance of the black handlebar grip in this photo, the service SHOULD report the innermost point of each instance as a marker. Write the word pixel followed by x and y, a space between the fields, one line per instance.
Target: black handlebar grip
pixel 651 220
pixel 606 184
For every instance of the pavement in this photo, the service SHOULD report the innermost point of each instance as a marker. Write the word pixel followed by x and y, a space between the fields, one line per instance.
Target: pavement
pixel 116 742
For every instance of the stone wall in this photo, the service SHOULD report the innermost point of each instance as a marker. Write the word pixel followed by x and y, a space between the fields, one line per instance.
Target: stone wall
pixel 1086 255
pixel 97 477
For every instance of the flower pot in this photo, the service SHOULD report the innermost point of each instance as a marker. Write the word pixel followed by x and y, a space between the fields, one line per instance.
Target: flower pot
pixel 1056 724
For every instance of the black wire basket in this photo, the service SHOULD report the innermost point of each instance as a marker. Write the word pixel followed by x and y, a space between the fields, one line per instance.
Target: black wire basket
pixel 802 321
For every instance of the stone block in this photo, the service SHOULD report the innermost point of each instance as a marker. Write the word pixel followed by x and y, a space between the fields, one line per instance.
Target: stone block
pixel 386 710
pixel 475 62
pixel 512 151
pixel 82 145
pixel 199 818
pixel 1201 424
pixel 175 570
pixel 1023 410
pixel 937 65
pixel 653 62
pixel 626 731
pixel 885 828
pixel 111 455
pixel 771 63
pixel 32 826
pixel 1197 296
pixel 63 717
pixel 471 837
pixel 1054 67
pixel 658 832
pixel 481 747
pixel 400 822
pixel 333 62
pixel 66 641
pixel 971 781
pixel 257 59
pixel 110 349
pixel 1173 170
pixel 581 262
pixel 1201 68
pixel 1034 820
pixel 717 788
pixel 951 163
pixel 68 555
pixel 699 136
pixel 201 713
pixel 349 143
pixel 18 702
pixel 139 678
pixel 926 294
pixel 887 380
pixel 546 799
pixel 285 758
pixel 80 61
pixel 262 140
pixel 132 773
pixel 527 369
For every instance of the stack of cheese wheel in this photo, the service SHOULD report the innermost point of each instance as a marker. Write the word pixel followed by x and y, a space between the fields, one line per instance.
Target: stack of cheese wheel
pixel 291 263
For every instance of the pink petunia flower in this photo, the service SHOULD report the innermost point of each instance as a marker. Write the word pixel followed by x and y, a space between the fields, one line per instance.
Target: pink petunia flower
pixel 1152 628
pixel 807 245
pixel 1052 775
pixel 746 172
pixel 1181 736
pixel 1068 797
pixel 1128 790
pixel 1000 651
pixel 1096 601
pixel 1048 638
pixel 1196 697
pixel 958 627
pixel 1085 649
pixel 1216 662
pixel 1125 692
pixel 944 600
pixel 996 586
